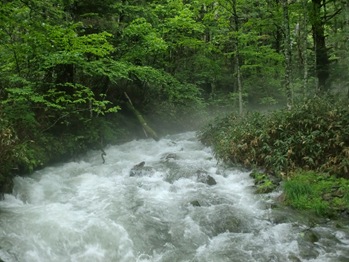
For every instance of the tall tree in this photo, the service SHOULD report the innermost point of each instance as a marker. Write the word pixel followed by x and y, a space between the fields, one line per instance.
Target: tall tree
pixel 287 50
pixel 322 61
pixel 304 45
pixel 344 53
pixel 236 26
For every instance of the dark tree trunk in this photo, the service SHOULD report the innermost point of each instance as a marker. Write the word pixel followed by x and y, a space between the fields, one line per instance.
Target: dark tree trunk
pixel 277 44
pixel 321 52
pixel 237 56
pixel 287 51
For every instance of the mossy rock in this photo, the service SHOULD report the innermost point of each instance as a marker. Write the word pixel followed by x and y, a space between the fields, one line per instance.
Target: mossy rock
pixel 264 183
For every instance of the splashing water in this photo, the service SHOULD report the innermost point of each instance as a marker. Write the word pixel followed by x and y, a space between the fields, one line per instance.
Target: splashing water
pixel 89 211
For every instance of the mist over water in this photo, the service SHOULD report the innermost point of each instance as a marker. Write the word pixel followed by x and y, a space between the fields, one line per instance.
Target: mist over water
pixel 89 211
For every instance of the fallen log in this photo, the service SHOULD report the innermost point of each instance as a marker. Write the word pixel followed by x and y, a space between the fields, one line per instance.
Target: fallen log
pixel 147 129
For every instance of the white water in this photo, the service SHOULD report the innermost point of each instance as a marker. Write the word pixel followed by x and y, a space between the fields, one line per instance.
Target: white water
pixel 89 211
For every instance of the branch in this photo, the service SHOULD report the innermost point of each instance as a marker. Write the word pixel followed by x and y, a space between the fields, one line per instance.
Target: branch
pixel 329 17
pixel 55 122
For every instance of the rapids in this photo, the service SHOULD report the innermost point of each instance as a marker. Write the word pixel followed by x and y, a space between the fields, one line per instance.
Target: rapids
pixel 88 211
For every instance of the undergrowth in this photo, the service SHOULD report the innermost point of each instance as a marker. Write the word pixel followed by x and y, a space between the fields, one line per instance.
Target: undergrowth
pixel 312 136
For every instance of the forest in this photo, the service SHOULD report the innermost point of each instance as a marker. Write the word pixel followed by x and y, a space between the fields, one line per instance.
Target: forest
pixel 74 72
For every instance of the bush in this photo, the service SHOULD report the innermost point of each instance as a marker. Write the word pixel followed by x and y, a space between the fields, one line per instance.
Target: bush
pixel 312 136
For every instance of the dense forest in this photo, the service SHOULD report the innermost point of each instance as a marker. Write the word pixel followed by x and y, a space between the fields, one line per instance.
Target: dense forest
pixel 73 71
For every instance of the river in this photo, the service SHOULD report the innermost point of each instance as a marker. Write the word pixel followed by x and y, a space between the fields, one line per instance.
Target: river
pixel 85 210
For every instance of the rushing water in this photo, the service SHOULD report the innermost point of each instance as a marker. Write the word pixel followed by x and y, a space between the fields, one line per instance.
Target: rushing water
pixel 89 211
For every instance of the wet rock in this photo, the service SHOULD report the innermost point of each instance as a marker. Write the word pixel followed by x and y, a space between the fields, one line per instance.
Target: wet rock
pixel 310 236
pixel 293 258
pixel 195 203
pixel 141 170
pixel 169 156
pixel 210 181
pixel 223 219
pixel 204 177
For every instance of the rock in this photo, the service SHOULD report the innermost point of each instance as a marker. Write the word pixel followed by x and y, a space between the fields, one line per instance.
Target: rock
pixel 169 156
pixel 293 258
pixel 141 170
pixel 310 236
pixel 195 203
pixel 204 177
pixel 211 181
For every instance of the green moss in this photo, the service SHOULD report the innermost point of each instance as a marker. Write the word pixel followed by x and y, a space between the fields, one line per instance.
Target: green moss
pixel 321 193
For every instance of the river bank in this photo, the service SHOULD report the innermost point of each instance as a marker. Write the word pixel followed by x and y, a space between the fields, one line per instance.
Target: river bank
pixel 304 150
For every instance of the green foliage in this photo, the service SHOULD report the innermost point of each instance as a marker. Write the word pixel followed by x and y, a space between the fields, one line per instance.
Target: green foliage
pixel 297 145
pixel 141 41
pixel 321 193
pixel 263 182
pixel 165 86
pixel 311 136
pixel 67 64
pixel 8 142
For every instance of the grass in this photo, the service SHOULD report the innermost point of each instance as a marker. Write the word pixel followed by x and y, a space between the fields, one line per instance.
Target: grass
pixel 317 192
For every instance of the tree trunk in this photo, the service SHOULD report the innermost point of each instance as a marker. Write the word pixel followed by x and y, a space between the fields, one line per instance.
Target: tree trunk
pixel 238 75
pixel 305 47
pixel 287 50
pixel 346 35
pixel 277 44
pixel 322 62
pixel 237 57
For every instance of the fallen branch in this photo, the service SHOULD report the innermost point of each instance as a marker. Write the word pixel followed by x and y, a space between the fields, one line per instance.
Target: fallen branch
pixel 147 129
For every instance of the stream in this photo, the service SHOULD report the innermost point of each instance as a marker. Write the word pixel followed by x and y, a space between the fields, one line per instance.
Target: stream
pixel 167 210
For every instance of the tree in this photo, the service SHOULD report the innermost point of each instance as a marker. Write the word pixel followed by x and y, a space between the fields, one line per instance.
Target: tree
pixel 322 61
pixel 237 55
pixel 287 50
pixel 346 38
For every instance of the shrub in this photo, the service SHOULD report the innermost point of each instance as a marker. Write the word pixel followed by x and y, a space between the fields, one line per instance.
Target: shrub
pixel 312 136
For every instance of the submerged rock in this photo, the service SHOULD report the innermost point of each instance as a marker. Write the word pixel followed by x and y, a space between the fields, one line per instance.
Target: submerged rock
pixel 195 203
pixel 141 170
pixel 310 236
pixel 169 156
pixel 204 177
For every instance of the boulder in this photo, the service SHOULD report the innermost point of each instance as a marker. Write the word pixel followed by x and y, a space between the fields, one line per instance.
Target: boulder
pixel 195 203
pixel 141 170
pixel 169 156
pixel 204 177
